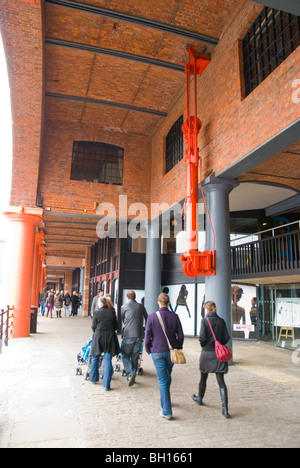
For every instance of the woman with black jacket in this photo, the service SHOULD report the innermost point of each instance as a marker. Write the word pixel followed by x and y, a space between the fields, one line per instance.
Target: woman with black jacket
pixel 104 341
pixel 209 363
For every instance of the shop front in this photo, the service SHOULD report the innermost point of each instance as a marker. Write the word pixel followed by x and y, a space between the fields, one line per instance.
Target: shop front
pixel 279 314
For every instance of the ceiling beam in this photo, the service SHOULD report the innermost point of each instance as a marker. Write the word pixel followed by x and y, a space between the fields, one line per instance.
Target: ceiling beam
pixel 65 223
pixel 106 103
pixel 290 6
pixel 279 142
pixel 140 21
pixel 47 228
pixel 284 206
pixel 115 53
pixel 58 214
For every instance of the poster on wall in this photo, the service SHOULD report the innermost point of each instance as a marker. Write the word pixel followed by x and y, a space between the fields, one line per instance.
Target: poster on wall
pixel 244 311
pixel 287 312
pixel 182 302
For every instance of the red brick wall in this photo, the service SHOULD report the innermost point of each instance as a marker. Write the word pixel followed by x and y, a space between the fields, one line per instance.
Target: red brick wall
pixel 62 194
pixel 232 125
pixel 21 29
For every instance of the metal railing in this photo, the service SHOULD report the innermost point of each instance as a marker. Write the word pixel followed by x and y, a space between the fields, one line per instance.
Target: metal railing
pixel 278 253
pixel 6 323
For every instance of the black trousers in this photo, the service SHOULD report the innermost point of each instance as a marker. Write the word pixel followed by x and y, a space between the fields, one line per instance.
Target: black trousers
pixel 220 380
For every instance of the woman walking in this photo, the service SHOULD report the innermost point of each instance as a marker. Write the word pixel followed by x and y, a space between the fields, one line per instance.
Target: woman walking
pixel 104 341
pixel 50 303
pixel 156 344
pixel 58 303
pixel 75 303
pixel 209 363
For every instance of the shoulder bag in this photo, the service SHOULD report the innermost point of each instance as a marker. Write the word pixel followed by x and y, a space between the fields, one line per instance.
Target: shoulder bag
pixel 177 356
pixel 223 353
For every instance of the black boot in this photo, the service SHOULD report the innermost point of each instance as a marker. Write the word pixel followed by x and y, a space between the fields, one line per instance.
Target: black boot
pixel 199 399
pixel 224 398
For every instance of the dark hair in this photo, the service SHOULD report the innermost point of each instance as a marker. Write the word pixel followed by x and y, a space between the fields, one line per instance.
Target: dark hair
pixel 109 303
pixel 131 295
pixel 103 301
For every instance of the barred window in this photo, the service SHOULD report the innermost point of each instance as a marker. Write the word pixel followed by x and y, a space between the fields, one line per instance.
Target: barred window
pixel 97 162
pixel 270 40
pixel 174 145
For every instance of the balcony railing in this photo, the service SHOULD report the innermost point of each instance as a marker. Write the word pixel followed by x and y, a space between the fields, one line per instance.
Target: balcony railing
pixel 275 254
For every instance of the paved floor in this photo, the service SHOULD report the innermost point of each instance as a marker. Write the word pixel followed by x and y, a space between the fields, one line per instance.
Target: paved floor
pixel 43 404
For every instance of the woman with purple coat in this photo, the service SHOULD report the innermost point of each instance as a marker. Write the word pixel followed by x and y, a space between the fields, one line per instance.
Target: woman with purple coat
pixel 156 344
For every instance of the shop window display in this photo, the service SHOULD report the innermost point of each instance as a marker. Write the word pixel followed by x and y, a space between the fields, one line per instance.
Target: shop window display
pixel 244 312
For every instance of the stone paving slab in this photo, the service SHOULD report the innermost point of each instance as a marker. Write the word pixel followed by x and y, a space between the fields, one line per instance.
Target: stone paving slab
pixel 43 404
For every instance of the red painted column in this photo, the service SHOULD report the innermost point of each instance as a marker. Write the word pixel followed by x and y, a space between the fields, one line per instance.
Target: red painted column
pixel 39 238
pixel 42 269
pixel 18 265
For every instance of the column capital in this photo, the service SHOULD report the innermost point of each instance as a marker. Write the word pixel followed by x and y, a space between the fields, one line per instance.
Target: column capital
pixel 213 183
pixel 24 214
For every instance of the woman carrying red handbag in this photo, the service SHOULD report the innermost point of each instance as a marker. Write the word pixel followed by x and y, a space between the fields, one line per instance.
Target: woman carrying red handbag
pixel 213 330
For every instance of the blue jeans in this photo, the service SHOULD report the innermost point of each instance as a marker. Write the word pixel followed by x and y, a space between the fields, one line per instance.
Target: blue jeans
pixel 164 367
pixel 130 350
pixel 43 307
pixel 107 370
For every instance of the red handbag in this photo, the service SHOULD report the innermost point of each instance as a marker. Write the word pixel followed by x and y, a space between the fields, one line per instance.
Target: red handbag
pixel 223 353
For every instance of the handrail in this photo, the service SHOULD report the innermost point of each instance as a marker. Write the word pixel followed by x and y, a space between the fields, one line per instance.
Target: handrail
pixel 6 324
pixel 267 230
pixel 280 253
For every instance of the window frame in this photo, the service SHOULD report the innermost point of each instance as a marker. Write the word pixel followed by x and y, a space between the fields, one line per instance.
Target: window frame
pixel 97 162
pixel 272 37
pixel 174 145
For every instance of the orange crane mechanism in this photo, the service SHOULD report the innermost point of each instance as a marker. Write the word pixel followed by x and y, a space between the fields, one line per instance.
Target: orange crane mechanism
pixel 195 263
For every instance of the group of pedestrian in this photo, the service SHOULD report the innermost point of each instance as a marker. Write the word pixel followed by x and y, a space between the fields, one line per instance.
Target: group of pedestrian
pixel 59 301
pixel 159 337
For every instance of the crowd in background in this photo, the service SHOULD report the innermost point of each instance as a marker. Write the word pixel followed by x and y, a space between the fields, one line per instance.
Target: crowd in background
pixel 59 302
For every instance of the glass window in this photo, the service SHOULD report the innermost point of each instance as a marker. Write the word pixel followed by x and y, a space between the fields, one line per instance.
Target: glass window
pixel 174 145
pixel 97 162
pixel 270 40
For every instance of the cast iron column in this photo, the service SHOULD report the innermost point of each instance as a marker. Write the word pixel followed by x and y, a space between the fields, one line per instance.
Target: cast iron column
pixel 218 287
pixel 153 270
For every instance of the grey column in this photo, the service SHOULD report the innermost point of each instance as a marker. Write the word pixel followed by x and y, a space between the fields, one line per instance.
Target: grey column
pixel 218 288
pixel 153 270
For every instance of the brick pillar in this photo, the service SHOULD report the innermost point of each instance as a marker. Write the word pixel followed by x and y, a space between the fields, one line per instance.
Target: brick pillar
pixel 86 289
pixel 68 281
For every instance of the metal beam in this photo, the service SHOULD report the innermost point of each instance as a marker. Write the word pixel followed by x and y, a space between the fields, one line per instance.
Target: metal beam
pixel 106 103
pixel 290 6
pixel 59 214
pixel 115 53
pixel 68 228
pixel 284 206
pixel 140 21
pixel 271 147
